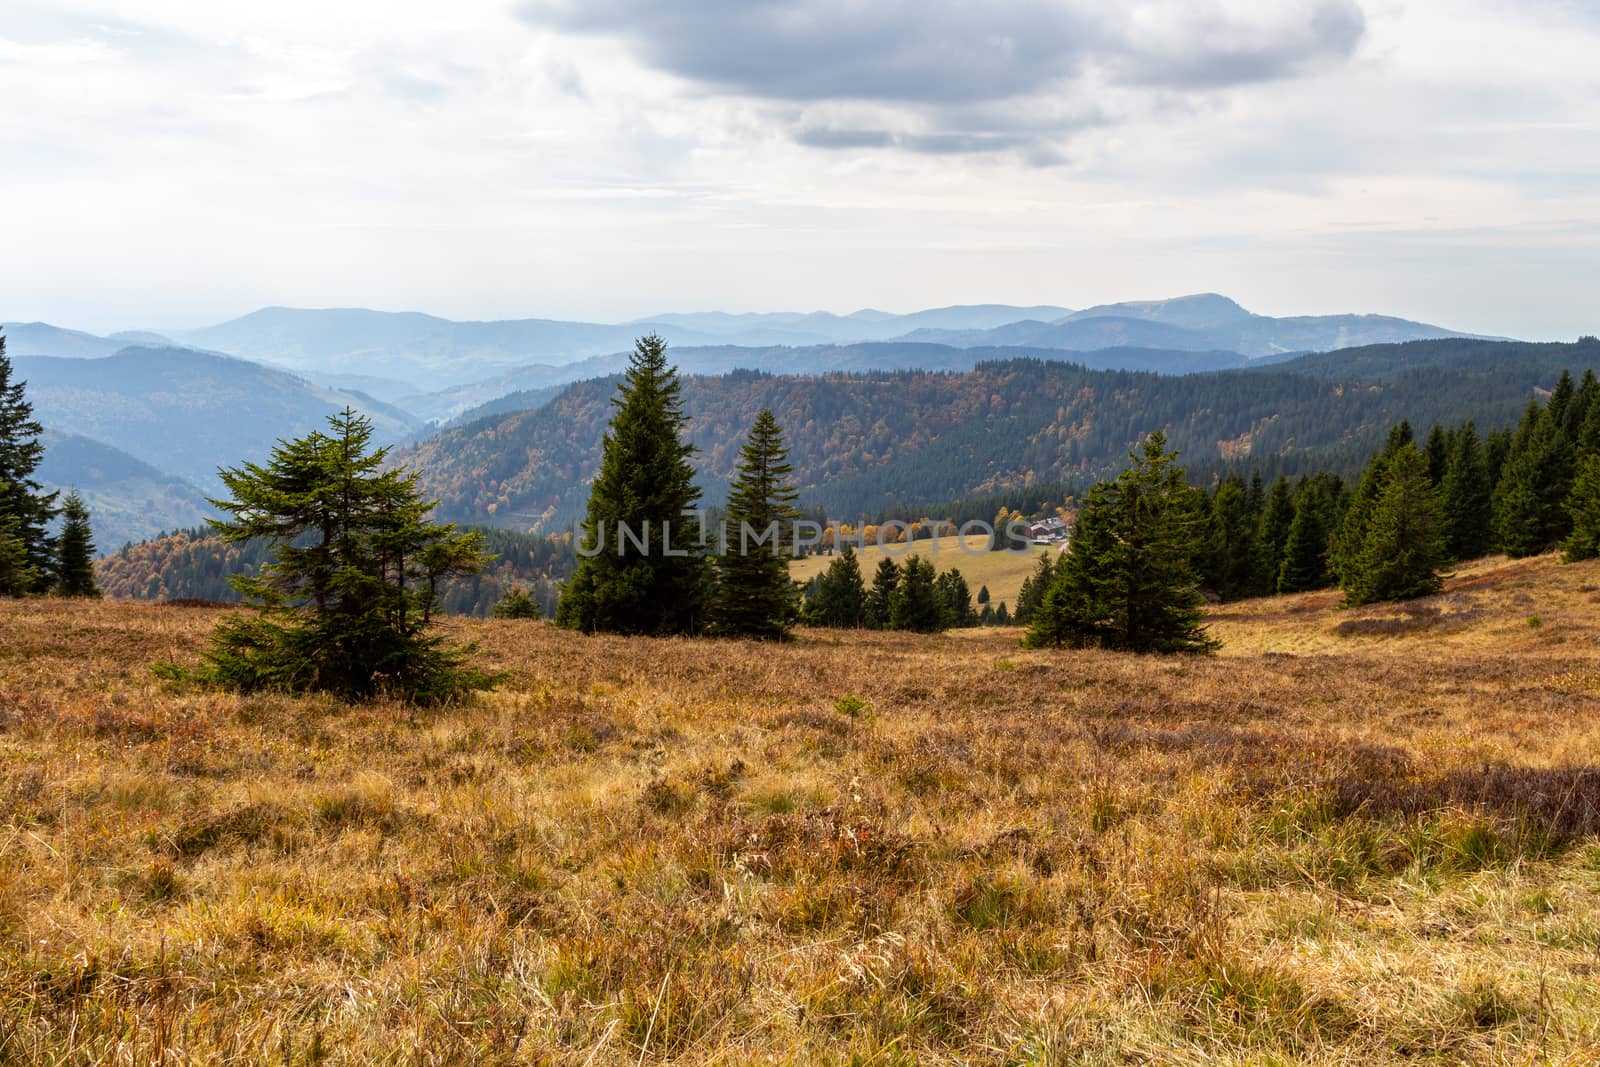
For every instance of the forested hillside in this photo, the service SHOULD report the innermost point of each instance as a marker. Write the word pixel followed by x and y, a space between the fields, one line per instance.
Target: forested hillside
pixel 186 412
pixel 867 443
pixel 128 499
pixel 196 565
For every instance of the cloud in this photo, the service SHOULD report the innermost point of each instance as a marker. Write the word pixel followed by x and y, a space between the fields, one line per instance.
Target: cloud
pixel 938 63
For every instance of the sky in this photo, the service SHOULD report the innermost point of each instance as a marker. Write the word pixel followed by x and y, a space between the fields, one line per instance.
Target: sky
pixel 610 159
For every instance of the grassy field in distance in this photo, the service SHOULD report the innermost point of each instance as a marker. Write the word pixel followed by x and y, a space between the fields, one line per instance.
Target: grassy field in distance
pixel 1352 837
pixel 1002 572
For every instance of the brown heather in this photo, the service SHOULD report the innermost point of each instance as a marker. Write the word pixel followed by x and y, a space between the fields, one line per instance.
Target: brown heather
pixel 1352 837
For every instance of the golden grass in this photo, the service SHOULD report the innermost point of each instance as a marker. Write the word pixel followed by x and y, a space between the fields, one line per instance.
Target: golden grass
pixel 1352 837
pixel 1002 572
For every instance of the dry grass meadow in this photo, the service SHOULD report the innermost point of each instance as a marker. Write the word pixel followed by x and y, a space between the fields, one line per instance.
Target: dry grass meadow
pixel 1352 837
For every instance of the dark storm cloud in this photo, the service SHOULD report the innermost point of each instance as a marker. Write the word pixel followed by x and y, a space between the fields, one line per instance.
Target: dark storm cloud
pixel 934 59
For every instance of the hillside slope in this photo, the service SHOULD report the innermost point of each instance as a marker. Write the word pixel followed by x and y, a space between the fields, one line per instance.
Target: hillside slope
pixel 186 412
pixel 863 443
pixel 129 500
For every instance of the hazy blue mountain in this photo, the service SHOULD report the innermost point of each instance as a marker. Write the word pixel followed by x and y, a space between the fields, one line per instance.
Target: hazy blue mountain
pixel 1198 312
pixel 187 412
pixel 460 402
pixel 868 324
pixel 43 339
pixel 1204 322
pixel 410 346
pixel 129 500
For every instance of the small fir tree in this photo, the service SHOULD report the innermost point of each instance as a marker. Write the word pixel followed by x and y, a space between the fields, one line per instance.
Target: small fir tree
pixel 345 603
pixel 840 595
pixel 75 552
pixel 880 599
pixel 916 604
pixel 1128 581
pixel 1405 543
pixel 755 597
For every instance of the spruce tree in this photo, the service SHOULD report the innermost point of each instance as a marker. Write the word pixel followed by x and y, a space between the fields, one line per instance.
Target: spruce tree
pixel 1002 617
pixel 983 595
pixel 916 604
pixel 956 597
pixel 75 551
pixel 344 605
pixel 1229 562
pixel 1405 542
pixel 1344 556
pixel 1034 587
pixel 1128 581
pixel 754 595
pixel 1437 452
pixel 17 577
pixel 1305 553
pixel 1082 604
pixel 25 508
pixel 1583 507
pixel 1467 497
pixel 1529 501
pixel 880 600
pixel 840 596
pixel 646 574
pixel 1272 534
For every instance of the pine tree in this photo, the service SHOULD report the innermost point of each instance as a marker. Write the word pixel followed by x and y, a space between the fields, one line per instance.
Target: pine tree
pixel 880 601
pixel 1344 555
pixel 839 598
pixel 75 551
pixel 1083 604
pixel 17 577
pixel 1467 497
pixel 1034 586
pixel 983 595
pixel 25 509
pixel 344 606
pixel 1529 512
pixel 517 603
pixel 1272 535
pixel 1305 553
pixel 1583 506
pixel 1437 452
pixel 755 597
pixel 1002 617
pixel 646 574
pixel 916 604
pixel 1229 562
pixel 956 597
pixel 1129 581
pixel 1405 544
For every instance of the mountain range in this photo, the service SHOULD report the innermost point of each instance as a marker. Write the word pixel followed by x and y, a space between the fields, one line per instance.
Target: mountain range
pixel 142 419
pixel 395 355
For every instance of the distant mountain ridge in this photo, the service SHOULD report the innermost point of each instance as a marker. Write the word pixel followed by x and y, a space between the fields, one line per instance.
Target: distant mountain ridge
pixel 186 412
pixel 1203 322
pixel 411 353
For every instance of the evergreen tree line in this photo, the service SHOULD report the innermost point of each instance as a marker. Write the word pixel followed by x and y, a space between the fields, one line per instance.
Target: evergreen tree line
pixel 34 561
pixel 903 596
pixel 1416 507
